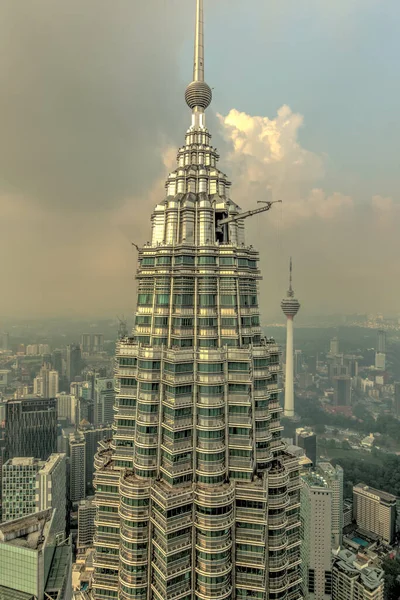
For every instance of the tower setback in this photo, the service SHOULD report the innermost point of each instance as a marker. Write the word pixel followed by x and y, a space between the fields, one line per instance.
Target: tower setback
pixel 196 497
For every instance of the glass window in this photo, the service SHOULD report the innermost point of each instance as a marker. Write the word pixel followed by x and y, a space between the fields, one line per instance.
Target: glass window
pixel 208 322
pixel 143 320
pixel 238 388
pixel 226 260
pixel 184 260
pixel 228 299
pixel 242 262
pixel 238 366
pixel 207 260
pixel 229 322
pixel 145 299
pixel 211 390
pixel 184 299
pixel 164 260
pixel 207 299
pixel 207 343
pixel 148 261
pixel 160 321
pixel 210 367
pixel 153 365
pixel 162 299
pixel 127 361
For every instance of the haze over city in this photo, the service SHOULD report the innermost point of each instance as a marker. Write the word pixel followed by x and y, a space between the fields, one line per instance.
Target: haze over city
pixel 92 110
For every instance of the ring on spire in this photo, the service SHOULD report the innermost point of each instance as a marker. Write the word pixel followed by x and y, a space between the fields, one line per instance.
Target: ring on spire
pixel 198 94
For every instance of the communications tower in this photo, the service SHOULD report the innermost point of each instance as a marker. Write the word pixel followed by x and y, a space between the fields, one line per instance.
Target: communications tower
pixel 290 306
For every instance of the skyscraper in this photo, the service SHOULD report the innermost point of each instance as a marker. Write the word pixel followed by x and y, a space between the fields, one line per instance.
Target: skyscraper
pixel 104 397
pixel 334 347
pixel 196 496
pixel 31 427
pixel 74 362
pixel 333 475
pixel 77 468
pixel 316 518
pixel 397 398
pixel 290 307
pixel 381 345
pixel 342 390
pixel 306 439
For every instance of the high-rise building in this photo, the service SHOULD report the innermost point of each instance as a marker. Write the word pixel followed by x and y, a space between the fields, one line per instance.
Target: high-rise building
pixel 334 347
pixel 316 553
pixel 92 436
pixel 290 306
pixel 104 397
pixel 86 343
pixel 333 475
pixel 298 362
pixel 98 342
pixel 380 361
pixel 5 341
pixel 77 468
pixel 306 439
pixel 381 339
pixel 92 343
pixel 342 390
pixel 354 578
pixel 66 407
pixel 196 495
pixel 374 511
pixel 33 566
pixel 31 485
pixel 51 489
pixel 57 362
pixel 74 362
pixel 31 427
pixel 397 398
pixel 19 487
pixel 86 528
pixel 46 383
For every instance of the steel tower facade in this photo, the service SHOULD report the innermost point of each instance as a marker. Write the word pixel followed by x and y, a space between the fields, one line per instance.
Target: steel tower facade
pixel 196 496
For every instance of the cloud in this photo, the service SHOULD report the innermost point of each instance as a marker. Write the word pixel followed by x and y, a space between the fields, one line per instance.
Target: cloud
pixel 345 248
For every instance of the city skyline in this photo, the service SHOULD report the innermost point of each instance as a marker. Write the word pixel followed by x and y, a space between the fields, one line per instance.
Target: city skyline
pixel 104 134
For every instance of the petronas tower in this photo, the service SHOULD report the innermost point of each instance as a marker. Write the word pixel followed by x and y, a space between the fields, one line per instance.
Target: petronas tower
pixel 196 497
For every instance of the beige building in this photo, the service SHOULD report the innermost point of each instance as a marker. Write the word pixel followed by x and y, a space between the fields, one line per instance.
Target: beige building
pixel 374 511
pixel 334 478
pixel 353 578
pixel 316 553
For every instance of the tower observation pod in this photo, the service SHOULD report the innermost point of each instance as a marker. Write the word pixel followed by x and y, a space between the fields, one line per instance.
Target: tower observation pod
pixel 196 496
pixel 290 307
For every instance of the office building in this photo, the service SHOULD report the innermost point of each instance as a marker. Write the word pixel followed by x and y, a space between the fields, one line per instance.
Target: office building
pixel 77 468
pixel 196 495
pixel 316 552
pixel 19 487
pixel 334 347
pixel 104 398
pixel 31 427
pixel 92 343
pixel 347 514
pixel 92 436
pixel 290 307
pixel 334 478
pixel 51 489
pixel 57 362
pixel 374 512
pixel 86 528
pixel 342 390
pixel 354 578
pixel 66 407
pixel 298 362
pixel 5 341
pixel 306 439
pixel 74 362
pixel 380 361
pixel 31 485
pixel 381 341
pixel 33 565
pixel 46 383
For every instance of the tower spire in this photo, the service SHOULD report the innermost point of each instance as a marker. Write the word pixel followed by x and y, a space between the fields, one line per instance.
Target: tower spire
pixel 198 67
pixel 290 290
pixel 198 94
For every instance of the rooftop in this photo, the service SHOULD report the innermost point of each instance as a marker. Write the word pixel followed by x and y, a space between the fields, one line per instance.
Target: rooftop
pixel 358 565
pixel 312 479
pixel 27 532
pixel 362 487
pixel 60 567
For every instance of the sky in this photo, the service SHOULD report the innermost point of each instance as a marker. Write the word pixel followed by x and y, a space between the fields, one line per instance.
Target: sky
pixel 92 110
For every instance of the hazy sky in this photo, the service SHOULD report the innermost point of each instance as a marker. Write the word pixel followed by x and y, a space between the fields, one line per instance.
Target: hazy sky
pixel 305 108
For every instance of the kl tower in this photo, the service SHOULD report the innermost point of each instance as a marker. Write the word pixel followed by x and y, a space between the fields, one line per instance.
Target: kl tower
pixel 290 306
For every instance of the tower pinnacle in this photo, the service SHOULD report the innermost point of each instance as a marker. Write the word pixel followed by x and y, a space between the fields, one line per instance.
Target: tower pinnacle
pixel 290 307
pixel 198 94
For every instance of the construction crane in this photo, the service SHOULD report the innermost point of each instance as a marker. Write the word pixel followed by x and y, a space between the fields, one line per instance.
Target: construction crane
pixel 246 214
